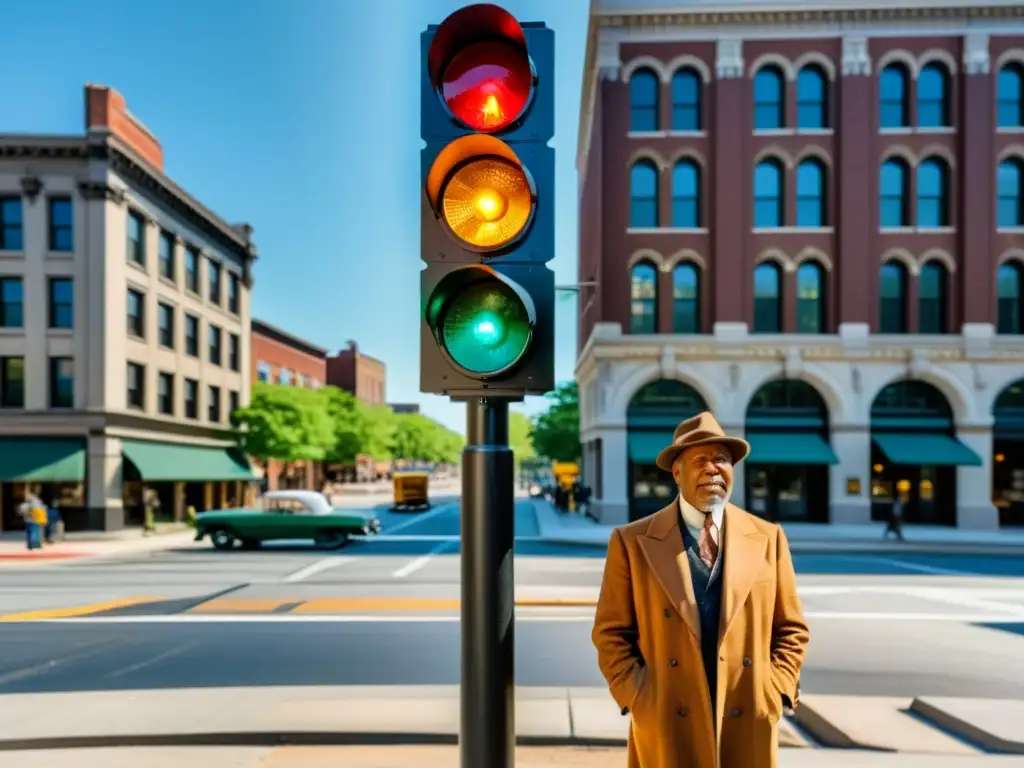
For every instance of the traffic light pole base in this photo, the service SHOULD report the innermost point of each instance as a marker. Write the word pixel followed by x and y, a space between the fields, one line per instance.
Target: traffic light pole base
pixel 487 722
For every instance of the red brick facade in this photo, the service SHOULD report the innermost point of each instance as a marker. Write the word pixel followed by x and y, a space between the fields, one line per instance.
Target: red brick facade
pixel 274 352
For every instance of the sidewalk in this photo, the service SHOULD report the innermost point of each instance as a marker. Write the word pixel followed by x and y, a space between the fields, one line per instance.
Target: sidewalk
pixel 563 528
pixel 79 544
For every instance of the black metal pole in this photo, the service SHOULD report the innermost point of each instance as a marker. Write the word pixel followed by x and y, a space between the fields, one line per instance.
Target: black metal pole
pixel 487 729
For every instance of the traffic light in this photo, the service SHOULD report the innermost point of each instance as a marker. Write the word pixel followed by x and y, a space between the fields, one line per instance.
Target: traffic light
pixel 487 219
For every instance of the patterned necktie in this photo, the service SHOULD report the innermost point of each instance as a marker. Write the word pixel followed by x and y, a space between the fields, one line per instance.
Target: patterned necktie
pixel 707 545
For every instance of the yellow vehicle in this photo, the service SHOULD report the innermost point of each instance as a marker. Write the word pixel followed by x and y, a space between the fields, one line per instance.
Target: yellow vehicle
pixel 411 491
pixel 566 473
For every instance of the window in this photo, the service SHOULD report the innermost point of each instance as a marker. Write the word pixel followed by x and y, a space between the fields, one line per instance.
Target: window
pixel 643 194
pixel 12 382
pixel 11 224
pixel 767 298
pixel 136 317
pixel 214 337
pixel 1009 211
pixel 165 393
pixel 12 303
pixel 136 238
pixel 263 371
pixel 769 99
pixel 931 298
pixel 892 97
pixel 61 224
pixel 233 403
pixel 233 303
pixel 62 382
pixel 768 192
pixel 165 321
pixel 810 194
pixel 892 292
pixel 894 193
pixel 62 306
pixel 213 407
pixel 686 299
pixel 644 88
pixel 932 193
pixel 811 98
pixel 166 255
pixel 1008 290
pixel 136 393
pixel 1010 96
pixel 643 298
pixel 214 286
pixel 933 97
pixel 686 195
pixel 686 100
pixel 234 352
pixel 192 269
pixel 191 399
pixel 192 335
pixel 284 376
pixel 810 298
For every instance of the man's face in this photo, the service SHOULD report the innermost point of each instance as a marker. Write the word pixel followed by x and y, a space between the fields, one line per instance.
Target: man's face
pixel 704 476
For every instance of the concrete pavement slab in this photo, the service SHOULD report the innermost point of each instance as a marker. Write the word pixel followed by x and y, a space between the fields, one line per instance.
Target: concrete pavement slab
pixel 995 724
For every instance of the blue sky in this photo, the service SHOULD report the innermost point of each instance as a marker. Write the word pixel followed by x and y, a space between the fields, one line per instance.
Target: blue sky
pixel 301 118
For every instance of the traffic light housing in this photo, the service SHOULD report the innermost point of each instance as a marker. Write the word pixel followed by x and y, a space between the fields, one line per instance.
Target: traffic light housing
pixel 487 215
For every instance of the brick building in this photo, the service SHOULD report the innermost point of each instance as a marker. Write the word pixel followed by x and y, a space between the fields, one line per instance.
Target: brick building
pixel 810 221
pixel 358 373
pixel 281 358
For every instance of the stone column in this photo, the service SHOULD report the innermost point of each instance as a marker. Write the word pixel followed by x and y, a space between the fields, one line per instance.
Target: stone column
pixel 975 509
pixel 852 446
pixel 613 506
pixel 178 501
pixel 104 490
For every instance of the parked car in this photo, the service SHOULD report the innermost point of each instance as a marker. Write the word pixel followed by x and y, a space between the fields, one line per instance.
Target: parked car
pixel 285 515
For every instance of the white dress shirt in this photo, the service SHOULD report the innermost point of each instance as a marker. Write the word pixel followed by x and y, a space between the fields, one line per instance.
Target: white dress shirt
pixel 693 519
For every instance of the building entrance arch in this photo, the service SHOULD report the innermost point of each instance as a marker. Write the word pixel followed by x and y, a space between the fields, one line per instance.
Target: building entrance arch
pixel 1008 454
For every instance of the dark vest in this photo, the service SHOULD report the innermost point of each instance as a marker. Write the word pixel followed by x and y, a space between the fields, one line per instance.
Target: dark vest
pixel 708 593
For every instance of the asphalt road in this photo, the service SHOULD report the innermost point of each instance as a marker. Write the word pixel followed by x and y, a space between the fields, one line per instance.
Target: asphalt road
pixel 379 613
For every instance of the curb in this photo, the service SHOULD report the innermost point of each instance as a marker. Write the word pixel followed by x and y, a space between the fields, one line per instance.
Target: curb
pixel 966 729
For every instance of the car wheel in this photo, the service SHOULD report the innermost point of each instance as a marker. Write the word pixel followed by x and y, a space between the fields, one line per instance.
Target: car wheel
pixel 332 540
pixel 222 539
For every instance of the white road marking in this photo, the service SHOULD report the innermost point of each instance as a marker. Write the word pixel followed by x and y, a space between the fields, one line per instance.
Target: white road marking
pixel 151 661
pixel 317 567
pixel 417 519
pixel 419 562
pixel 935 571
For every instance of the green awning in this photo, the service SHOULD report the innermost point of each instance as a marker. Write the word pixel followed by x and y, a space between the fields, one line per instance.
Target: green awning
pixel 164 462
pixel 644 447
pixel 926 449
pixel 41 460
pixel 804 448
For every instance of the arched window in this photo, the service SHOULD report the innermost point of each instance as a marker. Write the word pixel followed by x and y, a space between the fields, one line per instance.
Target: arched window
pixel 643 298
pixel 686 194
pixel 769 99
pixel 643 194
pixel 894 194
pixel 1010 191
pixel 686 100
pixel 686 298
pixel 1009 283
pixel 1010 95
pixel 892 97
pixel 931 298
pixel 810 194
pixel 767 298
pixel 933 96
pixel 644 92
pixel 811 98
pixel 933 193
pixel 892 298
pixel 768 195
pixel 810 298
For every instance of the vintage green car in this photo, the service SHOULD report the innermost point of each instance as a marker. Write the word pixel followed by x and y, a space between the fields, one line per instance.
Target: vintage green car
pixel 285 516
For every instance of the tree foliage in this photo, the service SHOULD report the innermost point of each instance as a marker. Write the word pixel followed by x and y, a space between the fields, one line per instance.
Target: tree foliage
pixel 519 438
pixel 556 432
pixel 284 423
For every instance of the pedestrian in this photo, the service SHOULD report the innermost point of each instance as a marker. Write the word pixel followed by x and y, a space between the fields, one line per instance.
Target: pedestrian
pixel 894 523
pixel 699 630
pixel 151 503
pixel 33 512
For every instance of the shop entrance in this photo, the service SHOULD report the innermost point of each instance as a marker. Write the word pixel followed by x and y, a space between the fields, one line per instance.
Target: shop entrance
pixel 1008 455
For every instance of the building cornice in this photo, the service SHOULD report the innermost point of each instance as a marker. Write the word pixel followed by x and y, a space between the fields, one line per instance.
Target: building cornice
pixel 268 331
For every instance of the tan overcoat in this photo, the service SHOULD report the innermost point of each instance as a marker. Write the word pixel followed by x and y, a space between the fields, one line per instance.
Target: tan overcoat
pixel 647 633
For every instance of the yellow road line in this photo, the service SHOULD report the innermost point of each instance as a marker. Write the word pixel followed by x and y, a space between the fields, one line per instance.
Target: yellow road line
pixel 78 610
pixel 346 604
pixel 228 605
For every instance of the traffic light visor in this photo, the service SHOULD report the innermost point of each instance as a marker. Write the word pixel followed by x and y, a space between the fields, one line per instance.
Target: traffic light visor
pixel 479 66
pixel 483 321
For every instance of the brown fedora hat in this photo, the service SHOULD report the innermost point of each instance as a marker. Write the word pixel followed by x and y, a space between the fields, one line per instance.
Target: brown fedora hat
pixel 702 429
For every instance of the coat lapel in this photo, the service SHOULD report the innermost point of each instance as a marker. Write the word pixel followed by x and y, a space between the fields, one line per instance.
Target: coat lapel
pixel 744 548
pixel 662 545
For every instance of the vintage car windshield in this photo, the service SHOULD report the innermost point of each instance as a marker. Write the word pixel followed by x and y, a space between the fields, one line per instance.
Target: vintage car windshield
pixel 305 504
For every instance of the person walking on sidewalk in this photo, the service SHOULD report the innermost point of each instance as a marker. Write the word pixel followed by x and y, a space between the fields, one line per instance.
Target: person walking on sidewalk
pixel 33 512
pixel 699 630
pixel 894 523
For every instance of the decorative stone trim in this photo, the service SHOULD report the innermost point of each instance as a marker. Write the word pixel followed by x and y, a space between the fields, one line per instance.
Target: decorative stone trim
pixel 976 54
pixel 856 59
pixel 729 58
pixel 99 190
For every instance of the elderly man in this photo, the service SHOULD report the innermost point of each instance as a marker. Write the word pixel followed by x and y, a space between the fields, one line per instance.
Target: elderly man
pixel 699 630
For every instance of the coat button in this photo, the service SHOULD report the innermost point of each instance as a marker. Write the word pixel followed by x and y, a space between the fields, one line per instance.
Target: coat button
pixel 681 712
pixel 673 663
pixel 746 661
pixel 668 613
pixel 735 712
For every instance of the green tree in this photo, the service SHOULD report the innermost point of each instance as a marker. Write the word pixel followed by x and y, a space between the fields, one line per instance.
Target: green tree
pixel 556 432
pixel 519 439
pixel 284 423
pixel 415 437
pixel 378 432
pixel 348 420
